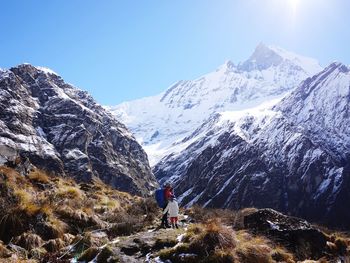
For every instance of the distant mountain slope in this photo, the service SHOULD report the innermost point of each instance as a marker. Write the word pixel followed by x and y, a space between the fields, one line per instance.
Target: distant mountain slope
pixel 294 157
pixel 62 129
pixel 159 121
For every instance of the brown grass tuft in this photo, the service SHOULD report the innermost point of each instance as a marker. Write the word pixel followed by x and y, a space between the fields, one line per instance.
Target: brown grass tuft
pixel 281 255
pixel 88 254
pixel 12 224
pixel 239 220
pixel 249 253
pixel 70 192
pixel 214 236
pixel 39 176
pixel 54 245
pixel 28 241
pixel 10 174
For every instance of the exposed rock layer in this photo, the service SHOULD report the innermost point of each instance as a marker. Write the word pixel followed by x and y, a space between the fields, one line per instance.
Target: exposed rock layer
pixel 62 129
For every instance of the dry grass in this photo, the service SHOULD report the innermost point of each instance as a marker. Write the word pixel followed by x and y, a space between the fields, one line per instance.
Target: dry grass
pixel 105 203
pixel 24 197
pixel 29 204
pixel 70 192
pixel 28 241
pixel 55 228
pixel 214 242
pixel 10 174
pixel 249 253
pixel 57 211
pixel 210 242
pixel 54 245
pixel 89 254
pixel 213 236
pixel 280 254
pixel 39 176
pixel 239 220
pixel 227 216
pixel 42 213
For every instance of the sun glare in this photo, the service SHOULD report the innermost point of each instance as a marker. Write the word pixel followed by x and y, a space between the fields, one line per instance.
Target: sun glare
pixel 294 4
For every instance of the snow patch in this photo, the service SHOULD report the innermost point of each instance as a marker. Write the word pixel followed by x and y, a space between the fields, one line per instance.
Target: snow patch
pixel 46 70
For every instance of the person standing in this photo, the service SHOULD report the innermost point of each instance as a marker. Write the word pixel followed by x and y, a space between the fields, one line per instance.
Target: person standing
pixel 173 209
pixel 168 193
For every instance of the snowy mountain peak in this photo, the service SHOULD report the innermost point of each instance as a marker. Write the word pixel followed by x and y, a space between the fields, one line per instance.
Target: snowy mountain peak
pixel 265 57
pixel 160 121
pixel 30 68
pixel 262 58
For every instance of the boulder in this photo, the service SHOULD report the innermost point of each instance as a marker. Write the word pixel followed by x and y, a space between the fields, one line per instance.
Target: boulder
pixel 296 234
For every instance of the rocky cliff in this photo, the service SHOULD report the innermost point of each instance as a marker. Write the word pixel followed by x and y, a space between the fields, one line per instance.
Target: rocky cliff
pixel 61 129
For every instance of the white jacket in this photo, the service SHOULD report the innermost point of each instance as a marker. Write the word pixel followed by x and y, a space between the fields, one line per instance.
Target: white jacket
pixel 172 208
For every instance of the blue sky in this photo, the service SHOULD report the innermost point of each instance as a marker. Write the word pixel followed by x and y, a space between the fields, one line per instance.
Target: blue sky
pixel 124 50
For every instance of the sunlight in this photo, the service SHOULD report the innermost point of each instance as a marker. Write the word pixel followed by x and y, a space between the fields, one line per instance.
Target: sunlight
pixel 294 4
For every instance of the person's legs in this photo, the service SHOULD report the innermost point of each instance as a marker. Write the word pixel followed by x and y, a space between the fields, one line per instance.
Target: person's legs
pixel 165 218
pixel 175 219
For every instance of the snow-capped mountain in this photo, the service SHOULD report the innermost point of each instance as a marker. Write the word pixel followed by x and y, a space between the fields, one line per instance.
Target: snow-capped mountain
pixel 161 120
pixel 294 156
pixel 63 130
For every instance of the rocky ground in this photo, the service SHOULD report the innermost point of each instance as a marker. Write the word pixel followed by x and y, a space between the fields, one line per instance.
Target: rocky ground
pixel 46 218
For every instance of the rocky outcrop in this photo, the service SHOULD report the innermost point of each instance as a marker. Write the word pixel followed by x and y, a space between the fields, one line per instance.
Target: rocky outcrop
pixel 294 157
pixel 296 234
pixel 63 130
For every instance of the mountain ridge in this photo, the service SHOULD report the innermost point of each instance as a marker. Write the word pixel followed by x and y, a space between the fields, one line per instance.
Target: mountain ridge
pixel 186 104
pixel 282 157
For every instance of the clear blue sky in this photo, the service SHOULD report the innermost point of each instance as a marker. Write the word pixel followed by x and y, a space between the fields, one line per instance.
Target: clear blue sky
pixel 127 49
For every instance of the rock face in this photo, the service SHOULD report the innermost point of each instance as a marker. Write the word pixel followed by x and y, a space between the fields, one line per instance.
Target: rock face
pixel 62 129
pixel 270 72
pixel 293 157
pixel 298 235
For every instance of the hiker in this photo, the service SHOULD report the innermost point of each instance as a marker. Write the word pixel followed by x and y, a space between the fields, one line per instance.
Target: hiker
pixel 168 192
pixel 173 209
